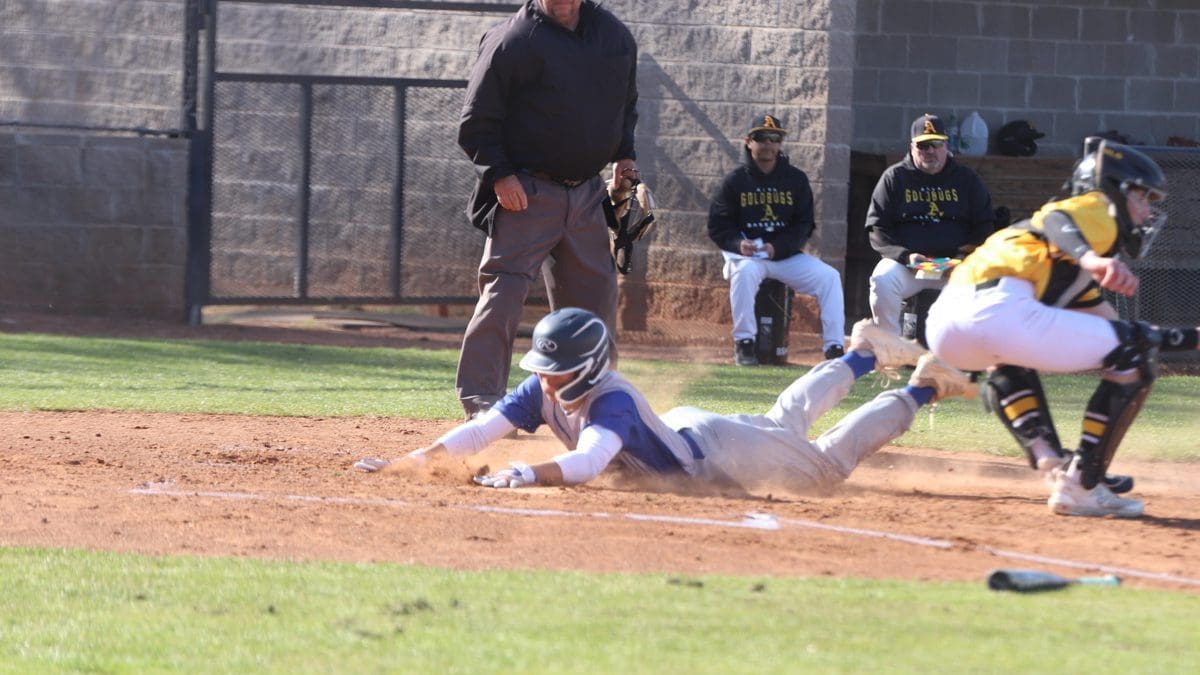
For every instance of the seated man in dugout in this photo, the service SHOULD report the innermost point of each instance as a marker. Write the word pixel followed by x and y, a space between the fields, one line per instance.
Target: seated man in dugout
pixel 761 218
pixel 924 207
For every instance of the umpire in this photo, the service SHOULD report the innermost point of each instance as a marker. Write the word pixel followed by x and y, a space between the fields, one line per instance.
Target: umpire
pixel 550 102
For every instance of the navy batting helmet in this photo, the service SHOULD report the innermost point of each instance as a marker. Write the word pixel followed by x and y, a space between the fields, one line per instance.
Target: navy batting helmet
pixel 570 340
pixel 1114 169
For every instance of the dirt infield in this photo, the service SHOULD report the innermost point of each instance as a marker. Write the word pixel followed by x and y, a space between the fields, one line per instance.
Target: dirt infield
pixel 284 488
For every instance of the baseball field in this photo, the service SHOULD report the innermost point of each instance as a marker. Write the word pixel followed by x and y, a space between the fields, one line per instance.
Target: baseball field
pixel 182 499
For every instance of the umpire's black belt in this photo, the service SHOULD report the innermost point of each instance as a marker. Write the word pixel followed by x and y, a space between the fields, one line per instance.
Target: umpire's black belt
pixel 687 436
pixel 565 182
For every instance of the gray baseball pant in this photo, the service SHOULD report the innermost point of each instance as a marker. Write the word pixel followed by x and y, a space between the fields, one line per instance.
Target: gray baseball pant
pixel 562 233
pixel 774 449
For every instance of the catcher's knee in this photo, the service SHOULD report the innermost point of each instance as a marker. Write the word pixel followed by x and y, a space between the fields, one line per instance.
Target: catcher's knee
pixel 1137 349
pixel 1016 396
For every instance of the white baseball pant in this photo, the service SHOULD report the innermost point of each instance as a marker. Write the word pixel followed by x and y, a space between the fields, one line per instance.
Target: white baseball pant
pixel 892 284
pixel 975 329
pixel 803 273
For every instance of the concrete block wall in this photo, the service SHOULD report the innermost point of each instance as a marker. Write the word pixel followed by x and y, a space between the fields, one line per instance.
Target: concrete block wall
pixel 1072 68
pixel 704 72
pixel 841 74
pixel 92 62
pixel 92 224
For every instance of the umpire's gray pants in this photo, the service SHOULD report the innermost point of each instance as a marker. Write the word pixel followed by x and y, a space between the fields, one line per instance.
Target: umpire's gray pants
pixel 563 233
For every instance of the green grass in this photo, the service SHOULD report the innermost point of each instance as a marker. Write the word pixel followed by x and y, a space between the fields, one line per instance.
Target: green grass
pixel 42 372
pixel 108 612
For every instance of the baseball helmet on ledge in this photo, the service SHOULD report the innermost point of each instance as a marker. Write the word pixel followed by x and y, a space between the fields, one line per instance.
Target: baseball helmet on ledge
pixel 1016 139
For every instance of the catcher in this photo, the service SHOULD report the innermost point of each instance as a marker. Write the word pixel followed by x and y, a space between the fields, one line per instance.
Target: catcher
pixel 1029 300
pixel 601 417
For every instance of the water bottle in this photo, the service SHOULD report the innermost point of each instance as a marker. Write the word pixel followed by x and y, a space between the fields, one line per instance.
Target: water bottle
pixel 952 132
pixel 974 138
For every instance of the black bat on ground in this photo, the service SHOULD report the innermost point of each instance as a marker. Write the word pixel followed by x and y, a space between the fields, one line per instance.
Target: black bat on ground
pixel 1025 581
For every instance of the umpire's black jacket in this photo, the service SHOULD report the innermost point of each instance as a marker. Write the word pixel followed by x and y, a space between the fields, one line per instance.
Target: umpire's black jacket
pixel 546 99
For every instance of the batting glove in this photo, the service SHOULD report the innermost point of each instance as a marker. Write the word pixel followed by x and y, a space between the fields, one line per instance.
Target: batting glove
pixel 520 475
pixel 371 464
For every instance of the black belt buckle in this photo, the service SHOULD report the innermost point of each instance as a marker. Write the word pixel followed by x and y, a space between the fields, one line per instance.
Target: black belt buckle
pixel 565 182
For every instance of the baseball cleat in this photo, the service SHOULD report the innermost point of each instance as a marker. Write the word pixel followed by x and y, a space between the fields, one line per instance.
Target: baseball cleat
pixel 1072 499
pixel 834 352
pixel 946 380
pixel 743 352
pixel 371 464
pixel 891 351
pixel 1116 483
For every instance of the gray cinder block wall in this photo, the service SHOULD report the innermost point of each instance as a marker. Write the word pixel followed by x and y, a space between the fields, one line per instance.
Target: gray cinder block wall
pixel 1071 67
pixel 704 74
pixel 843 74
pixel 92 224
pixel 705 70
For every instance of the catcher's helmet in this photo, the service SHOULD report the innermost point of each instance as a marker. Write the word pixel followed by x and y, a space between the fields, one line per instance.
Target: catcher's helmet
pixel 570 340
pixel 1114 169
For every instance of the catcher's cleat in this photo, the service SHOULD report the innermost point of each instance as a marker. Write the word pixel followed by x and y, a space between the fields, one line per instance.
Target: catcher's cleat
pixel 946 380
pixel 1071 499
pixel 371 464
pixel 1116 483
pixel 891 351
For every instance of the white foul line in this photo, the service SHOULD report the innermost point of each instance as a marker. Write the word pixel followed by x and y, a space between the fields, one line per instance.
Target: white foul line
pixel 920 541
pixel 754 521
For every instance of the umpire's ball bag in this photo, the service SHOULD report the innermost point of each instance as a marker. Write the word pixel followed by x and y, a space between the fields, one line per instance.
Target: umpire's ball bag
pixel 773 314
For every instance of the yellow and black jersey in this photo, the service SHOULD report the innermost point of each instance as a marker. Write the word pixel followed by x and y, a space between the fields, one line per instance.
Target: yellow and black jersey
pixel 1045 250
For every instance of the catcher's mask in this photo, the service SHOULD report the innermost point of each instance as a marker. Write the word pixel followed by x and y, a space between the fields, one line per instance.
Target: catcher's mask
pixel 1115 169
pixel 569 340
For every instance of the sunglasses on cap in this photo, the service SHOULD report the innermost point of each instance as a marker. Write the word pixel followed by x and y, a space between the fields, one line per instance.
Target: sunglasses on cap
pixel 925 145
pixel 766 137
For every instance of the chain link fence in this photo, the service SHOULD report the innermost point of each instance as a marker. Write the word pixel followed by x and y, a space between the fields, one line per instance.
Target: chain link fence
pixel 1169 275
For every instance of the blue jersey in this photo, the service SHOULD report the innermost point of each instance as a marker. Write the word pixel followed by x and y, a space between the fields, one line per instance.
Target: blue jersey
pixel 648 444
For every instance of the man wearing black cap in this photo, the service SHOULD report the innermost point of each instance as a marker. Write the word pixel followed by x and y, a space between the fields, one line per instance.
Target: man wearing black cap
pixel 761 218
pixel 926 206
